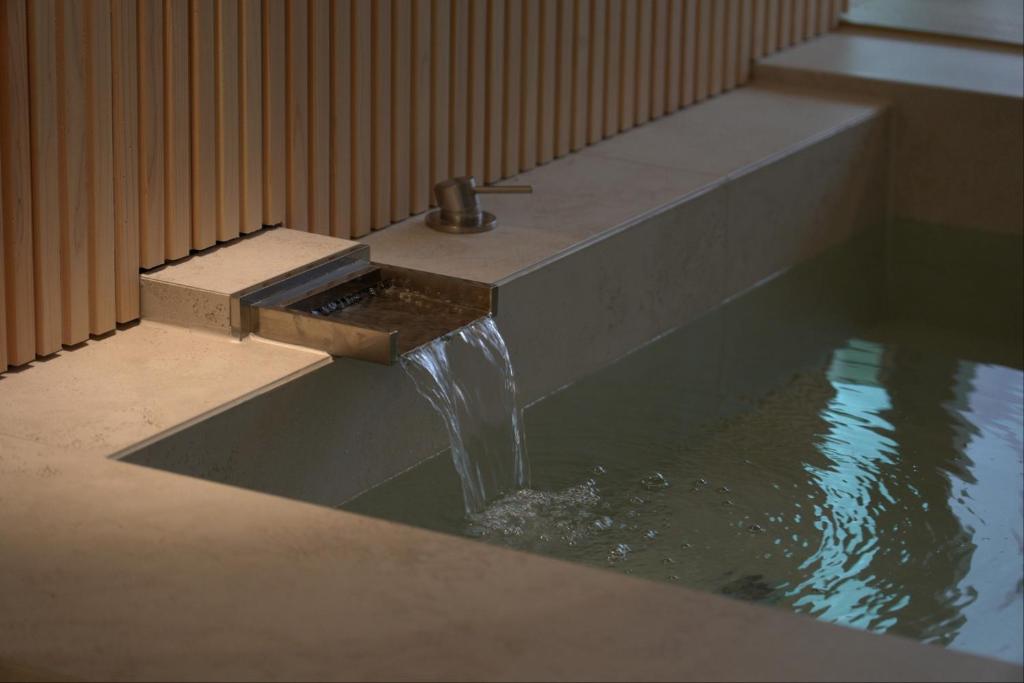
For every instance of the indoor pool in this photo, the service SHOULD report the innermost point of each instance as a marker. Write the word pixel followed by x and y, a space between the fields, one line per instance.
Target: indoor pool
pixel 870 475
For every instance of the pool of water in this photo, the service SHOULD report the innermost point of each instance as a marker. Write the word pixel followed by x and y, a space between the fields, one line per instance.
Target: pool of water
pixel 821 457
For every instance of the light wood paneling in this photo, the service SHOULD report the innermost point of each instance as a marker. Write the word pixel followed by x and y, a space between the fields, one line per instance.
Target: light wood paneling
pixel 380 213
pixel 689 52
pixel 151 133
pixel 548 67
pixel 512 103
pixel 250 24
pixel 320 118
pixel 627 81
pixel 297 113
pixel 45 165
pixel 341 118
pixel 440 67
pixel 674 73
pixel 645 28
pixel 477 114
pixel 19 296
pixel 420 107
pixel 495 83
pixel 401 115
pixel 177 154
pixel 612 66
pixel 275 145
pixel 362 114
pixel 100 155
pixel 659 58
pixel 530 102
pixel 136 131
pixel 202 79
pixel 458 89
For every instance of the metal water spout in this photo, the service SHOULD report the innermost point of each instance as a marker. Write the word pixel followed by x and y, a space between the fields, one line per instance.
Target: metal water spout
pixel 459 208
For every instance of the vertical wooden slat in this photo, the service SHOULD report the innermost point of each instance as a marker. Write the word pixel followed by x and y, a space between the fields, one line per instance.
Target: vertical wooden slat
pixel 72 98
pixel 124 71
pixel 151 133
pixel 718 46
pixel 785 24
pixel 458 90
pixel 477 124
pixel 251 131
pixel 3 307
pixel 341 118
pixel 824 15
pixel 771 26
pixel 401 121
pixel 598 20
pixel 297 113
pixel 811 18
pixel 705 10
pixel 689 53
pixel 177 155
pixel 102 302
pixel 564 82
pixel 320 117
pixel 495 88
pixel 19 297
pixel 799 21
pixel 380 211
pixel 202 79
pixel 275 134
pixel 612 66
pixel 659 58
pixel 674 73
pixel 530 104
pixel 627 81
pixel 440 55
pixel 45 165
pixel 362 115
pixel 511 107
pixel 580 74
pixel 420 162
pixel 838 7
pixel 644 41
pixel 732 44
pixel 746 39
pixel 228 120
pixel 760 9
pixel 548 76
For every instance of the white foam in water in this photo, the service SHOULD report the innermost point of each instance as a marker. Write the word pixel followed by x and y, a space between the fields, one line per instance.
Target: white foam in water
pixel 467 377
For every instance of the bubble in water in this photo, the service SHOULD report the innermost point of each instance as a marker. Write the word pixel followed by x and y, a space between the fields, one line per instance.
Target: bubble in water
pixel 599 469
pixel 655 481
pixel 650 534
pixel 685 545
pixel 755 529
pixel 668 560
pixel 723 489
pixel 673 577
pixel 603 523
pixel 619 552
pixel 700 484
pixel 728 504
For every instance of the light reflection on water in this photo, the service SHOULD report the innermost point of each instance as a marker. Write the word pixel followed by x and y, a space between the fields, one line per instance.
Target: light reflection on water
pixel 883 490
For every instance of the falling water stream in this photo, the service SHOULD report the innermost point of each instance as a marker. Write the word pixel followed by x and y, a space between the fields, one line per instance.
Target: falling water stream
pixel 467 377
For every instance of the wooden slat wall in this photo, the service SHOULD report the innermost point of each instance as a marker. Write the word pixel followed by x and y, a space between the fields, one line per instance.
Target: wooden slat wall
pixel 136 131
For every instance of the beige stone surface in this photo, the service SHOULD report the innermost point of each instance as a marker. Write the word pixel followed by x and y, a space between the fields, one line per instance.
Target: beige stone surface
pixel 1000 21
pixel 250 260
pixel 582 197
pixel 116 572
pixel 136 385
pixel 892 59
pixel 956 140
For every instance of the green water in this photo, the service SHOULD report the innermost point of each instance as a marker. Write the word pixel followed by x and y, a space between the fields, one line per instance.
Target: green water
pixel 798 448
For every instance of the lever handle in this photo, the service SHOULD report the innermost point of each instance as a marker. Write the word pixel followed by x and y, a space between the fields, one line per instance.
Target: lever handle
pixel 504 189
